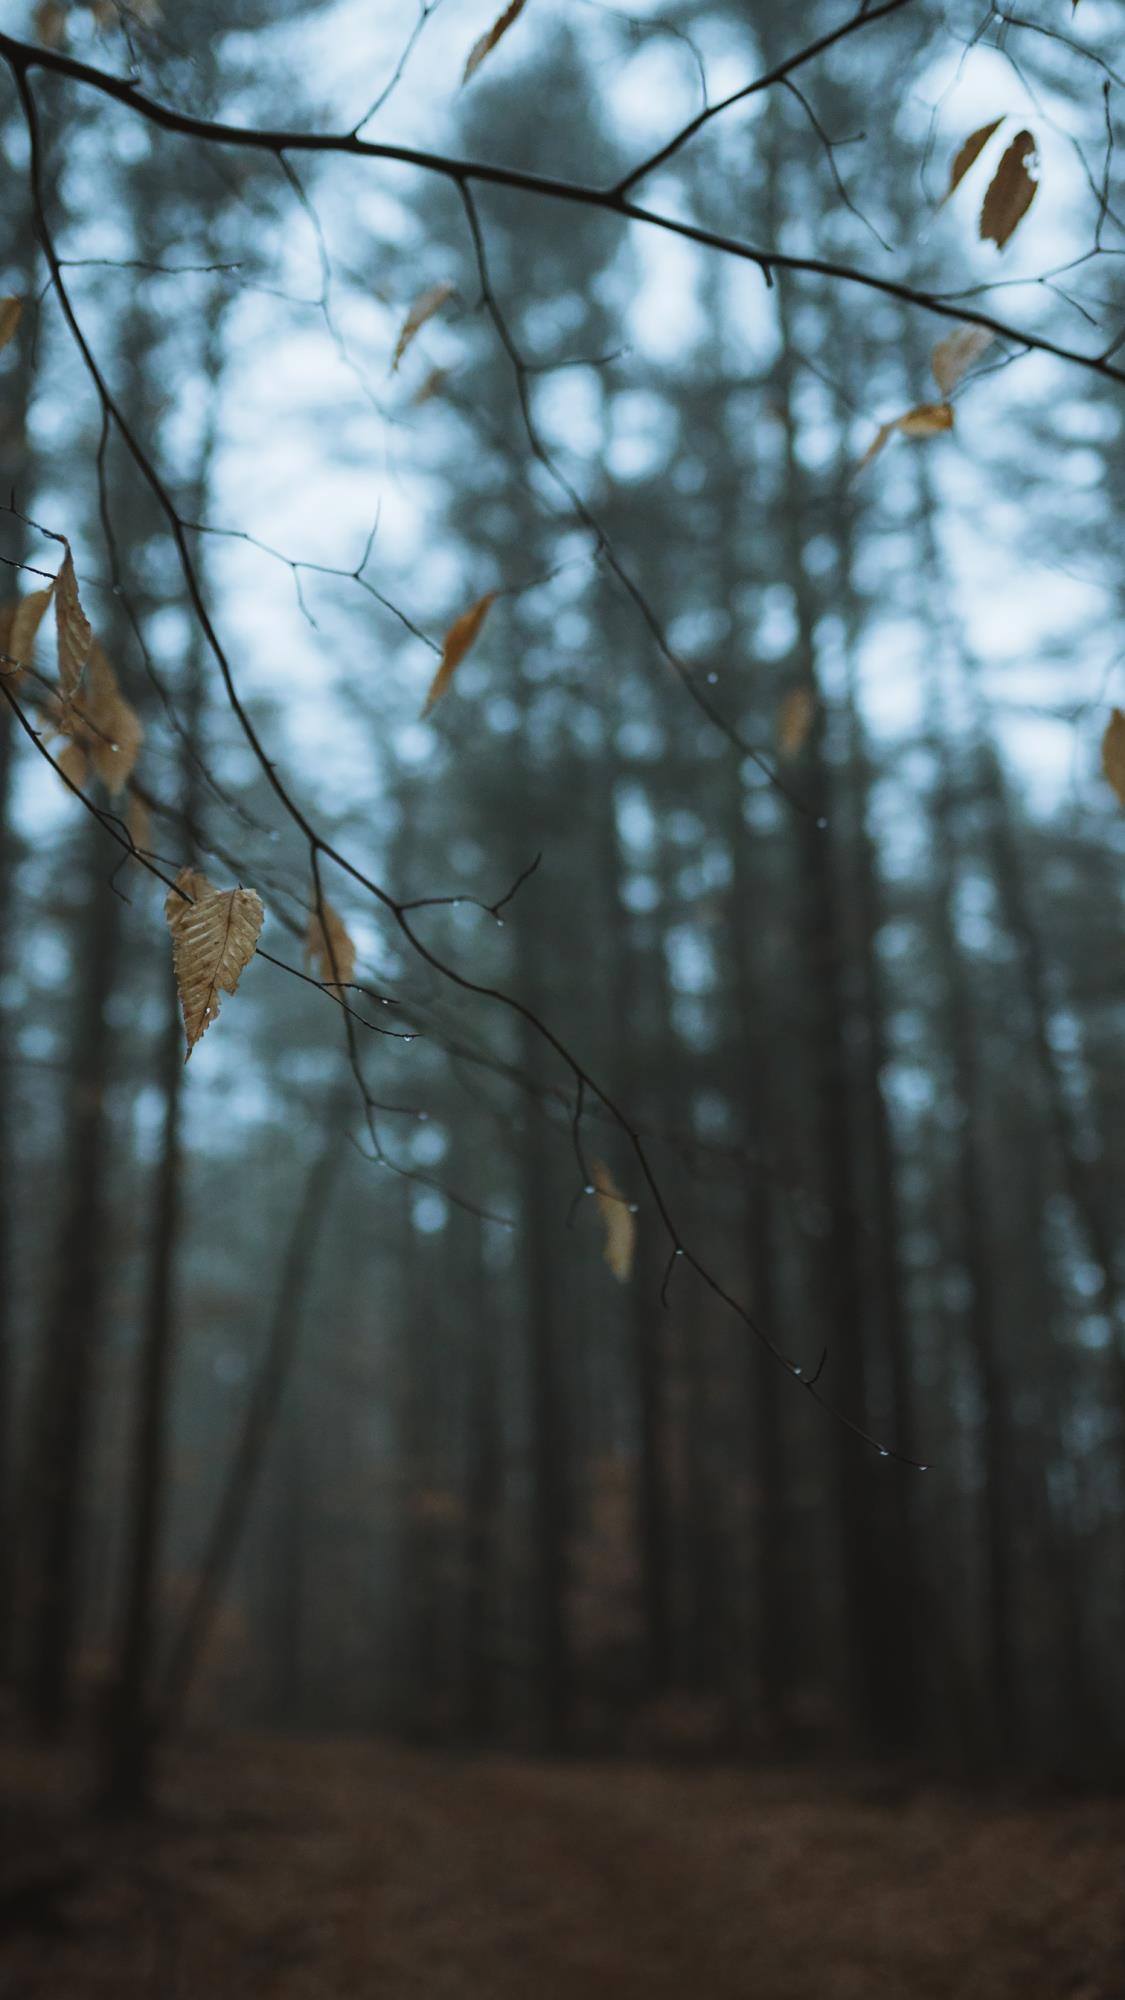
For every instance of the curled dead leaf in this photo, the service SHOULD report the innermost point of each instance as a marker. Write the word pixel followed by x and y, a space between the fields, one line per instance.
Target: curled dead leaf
pixel 75 635
pixel 460 638
pixel 1113 753
pixel 925 420
pixel 487 42
pixel 19 622
pixel 329 949
pixel 955 355
pixel 1010 192
pixel 618 1220
pixel 424 308
pixel 970 150
pixel 11 312
pixel 214 936
pixel 106 726
pixel 795 719
pixel 137 823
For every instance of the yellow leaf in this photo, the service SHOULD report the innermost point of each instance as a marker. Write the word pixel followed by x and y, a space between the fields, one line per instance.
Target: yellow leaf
pixel 461 636
pixel 214 936
pixel 71 761
pixel 74 634
pixel 925 420
pixel 10 313
pixel 795 719
pixel 424 308
pixel 1010 193
pixel 955 355
pixel 971 150
pixel 488 41
pixel 329 947
pixel 1113 753
pixel 619 1221
pixel 104 723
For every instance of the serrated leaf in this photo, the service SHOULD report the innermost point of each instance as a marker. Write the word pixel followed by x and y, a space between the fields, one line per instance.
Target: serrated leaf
pixel 970 150
pixel 795 719
pixel 423 309
pixel 329 946
pixel 1113 753
pixel 619 1222
pixel 106 726
pixel 955 355
pixel 75 635
pixel 460 638
pixel 925 420
pixel 1010 192
pixel 487 42
pixel 11 312
pixel 214 936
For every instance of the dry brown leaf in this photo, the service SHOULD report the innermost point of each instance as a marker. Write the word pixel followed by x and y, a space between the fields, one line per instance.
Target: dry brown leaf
pixel 74 632
pixel 969 151
pixel 619 1221
pixel 49 23
pixel 71 761
pixel 955 355
pixel 925 420
pixel 795 719
pixel 487 42
pixel 104 723
pixel 11 311
pixel 138 823
pixel 432 386
pixel 328 945
pixel 24 619
pixel 214 936
pixel 460 638
pixel 1113 753
pixel 424 308
pixel 1010 193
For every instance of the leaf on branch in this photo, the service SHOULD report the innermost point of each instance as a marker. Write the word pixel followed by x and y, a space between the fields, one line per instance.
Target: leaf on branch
pixel 71 761
pixel 954 356
pixel 329 950
pixel 424 308
pixel 214 936
pixel 138 823
pixel 49 24
pixel 487 42
pixel 431 387
pixel 11 311
pixel 460 638
pixel 75 635
pixel 1113 753
pixel 104 724
pixel 1011 192
pixel 925 420
pixel 969 151
pixel 19 623
pixel 619 1221
pixel 795 719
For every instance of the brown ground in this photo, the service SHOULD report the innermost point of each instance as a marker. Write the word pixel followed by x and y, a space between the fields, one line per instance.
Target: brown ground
pixel 346 1871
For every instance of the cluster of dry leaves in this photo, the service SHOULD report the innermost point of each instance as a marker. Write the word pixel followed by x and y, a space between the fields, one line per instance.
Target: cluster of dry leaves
pixel 215 931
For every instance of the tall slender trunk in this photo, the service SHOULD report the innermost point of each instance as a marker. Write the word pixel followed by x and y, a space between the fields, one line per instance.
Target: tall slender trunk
pixel 74 1325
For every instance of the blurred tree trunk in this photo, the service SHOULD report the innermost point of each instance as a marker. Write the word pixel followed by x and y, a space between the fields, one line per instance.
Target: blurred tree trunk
pixel 19 388
pixel 483 1500
pixel 868 1610
pixel 62 1395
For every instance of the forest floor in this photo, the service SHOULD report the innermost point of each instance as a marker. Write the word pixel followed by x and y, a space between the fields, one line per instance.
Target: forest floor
pixel 341 1870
